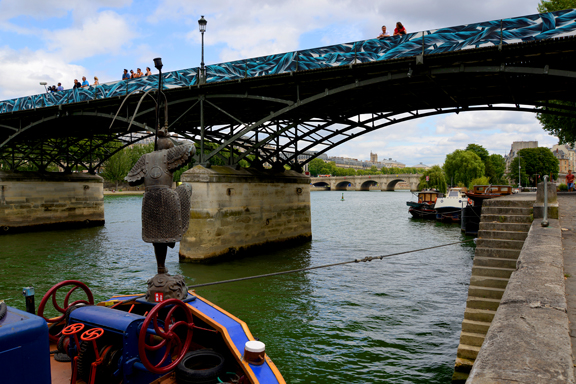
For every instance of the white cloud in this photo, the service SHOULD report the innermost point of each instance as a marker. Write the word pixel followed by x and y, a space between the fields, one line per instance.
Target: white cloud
pixel 32 68
pixel 106 33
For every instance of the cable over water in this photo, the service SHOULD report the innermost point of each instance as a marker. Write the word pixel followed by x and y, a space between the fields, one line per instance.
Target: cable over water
pixel 325 265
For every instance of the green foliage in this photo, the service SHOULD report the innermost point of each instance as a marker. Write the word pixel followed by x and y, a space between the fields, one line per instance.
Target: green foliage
pixel 118 165
pixel 495 169
pixel 535 163
pixel 479 150
pixel 562 187
pixel 436 179
pixel 463 166
pixel 564 128
pixel 555 5
pixel 478 181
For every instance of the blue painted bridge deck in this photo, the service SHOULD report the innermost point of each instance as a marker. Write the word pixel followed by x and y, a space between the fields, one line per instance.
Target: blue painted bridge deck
pixel 478 35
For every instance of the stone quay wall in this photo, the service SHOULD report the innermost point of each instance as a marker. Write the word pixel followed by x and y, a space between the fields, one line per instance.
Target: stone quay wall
pixel 235 211
pixel 35 201
pixel 528 340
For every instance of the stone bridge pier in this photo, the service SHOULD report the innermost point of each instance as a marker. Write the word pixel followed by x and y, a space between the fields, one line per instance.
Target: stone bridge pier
pixel 40 201
pixel 239 210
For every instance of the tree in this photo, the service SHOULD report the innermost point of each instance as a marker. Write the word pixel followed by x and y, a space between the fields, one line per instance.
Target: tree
pixel 555 5
pixel 436 179
pixel 535 163
pixel 315 165
pixel 117 166
pixel 463 166
pixel 478 181
pixel 564 128
pixel 479 150
pixel 495 168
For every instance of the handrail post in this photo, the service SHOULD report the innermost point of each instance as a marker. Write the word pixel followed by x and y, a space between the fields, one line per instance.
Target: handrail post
pixel 545 222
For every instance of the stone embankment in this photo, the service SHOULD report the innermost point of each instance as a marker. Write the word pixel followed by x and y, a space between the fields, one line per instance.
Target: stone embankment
pixel 504 225
pixel 516 327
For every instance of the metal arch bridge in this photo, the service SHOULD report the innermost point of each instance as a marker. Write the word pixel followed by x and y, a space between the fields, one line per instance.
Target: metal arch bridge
pixel 277 109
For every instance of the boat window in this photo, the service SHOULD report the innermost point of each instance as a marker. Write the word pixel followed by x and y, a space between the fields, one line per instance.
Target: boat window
pixel 504 189
pixel 480 189
pixel 453 194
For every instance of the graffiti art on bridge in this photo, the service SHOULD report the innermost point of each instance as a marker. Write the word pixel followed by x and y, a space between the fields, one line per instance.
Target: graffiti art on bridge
pixel 492 33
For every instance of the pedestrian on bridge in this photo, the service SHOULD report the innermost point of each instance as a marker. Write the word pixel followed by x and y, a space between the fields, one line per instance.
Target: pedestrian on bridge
pixel 399 30
pixel 96 82
pixel 125 76
pixel 383 34
pixel 76 84
pixel 85 83
pixel 148 72
pixel 60 87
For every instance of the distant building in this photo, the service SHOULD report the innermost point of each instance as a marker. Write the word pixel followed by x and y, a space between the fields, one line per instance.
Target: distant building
pixel 373 157
pixel 517 146
pixel 421 166
pixel 568 153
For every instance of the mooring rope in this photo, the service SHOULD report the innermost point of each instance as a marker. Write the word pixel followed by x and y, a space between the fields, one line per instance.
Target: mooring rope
pixel 366 259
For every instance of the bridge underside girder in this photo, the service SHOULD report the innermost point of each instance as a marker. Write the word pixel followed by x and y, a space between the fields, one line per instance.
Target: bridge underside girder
pixel 276 119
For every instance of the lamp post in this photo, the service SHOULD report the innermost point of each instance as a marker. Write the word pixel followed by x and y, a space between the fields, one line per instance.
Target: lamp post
pixel 202 26
pixel 519 175
pixel 158 65
pixel 44 84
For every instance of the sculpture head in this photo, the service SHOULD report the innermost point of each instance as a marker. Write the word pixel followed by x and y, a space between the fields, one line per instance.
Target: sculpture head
pixel 164 141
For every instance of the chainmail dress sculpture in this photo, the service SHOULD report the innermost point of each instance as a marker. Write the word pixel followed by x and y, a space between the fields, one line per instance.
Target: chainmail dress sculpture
pixel 165 211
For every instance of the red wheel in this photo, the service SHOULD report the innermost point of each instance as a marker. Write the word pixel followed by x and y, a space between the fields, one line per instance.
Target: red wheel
pixel 52 293
pixel 72 329
pixel 171 340
pixel 92 334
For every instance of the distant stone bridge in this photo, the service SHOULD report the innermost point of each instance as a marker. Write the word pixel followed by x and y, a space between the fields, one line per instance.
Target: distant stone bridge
pixel 364 183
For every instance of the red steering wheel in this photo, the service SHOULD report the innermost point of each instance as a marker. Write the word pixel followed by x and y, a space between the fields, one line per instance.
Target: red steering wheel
pixel 52 293
pixel 171 340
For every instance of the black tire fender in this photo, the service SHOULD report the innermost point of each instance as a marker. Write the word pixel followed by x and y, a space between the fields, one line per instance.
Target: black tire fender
pixel 201 366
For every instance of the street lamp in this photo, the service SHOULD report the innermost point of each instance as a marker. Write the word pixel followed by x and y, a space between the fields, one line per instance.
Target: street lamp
pixel 44 84
pixel 519 175
pixel 158 65
pixel 202 26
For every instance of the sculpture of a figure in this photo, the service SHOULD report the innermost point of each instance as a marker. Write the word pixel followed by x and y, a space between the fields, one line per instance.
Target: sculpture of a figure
pixel 165 211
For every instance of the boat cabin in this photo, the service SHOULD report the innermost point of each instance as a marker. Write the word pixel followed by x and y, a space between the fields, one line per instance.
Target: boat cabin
pixel 428 197
pixel 492 189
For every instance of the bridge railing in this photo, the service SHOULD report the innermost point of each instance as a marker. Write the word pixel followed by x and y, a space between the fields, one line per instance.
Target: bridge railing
pixel 469 36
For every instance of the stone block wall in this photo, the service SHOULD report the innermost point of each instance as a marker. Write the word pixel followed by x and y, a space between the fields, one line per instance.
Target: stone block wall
pixel 32 201
pixel 234 211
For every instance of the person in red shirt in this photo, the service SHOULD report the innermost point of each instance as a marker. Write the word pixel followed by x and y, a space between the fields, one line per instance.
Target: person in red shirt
pixel 570 180
pixel 399 30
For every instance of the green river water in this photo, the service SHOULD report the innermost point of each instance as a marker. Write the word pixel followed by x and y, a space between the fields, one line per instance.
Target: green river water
pixel 392 321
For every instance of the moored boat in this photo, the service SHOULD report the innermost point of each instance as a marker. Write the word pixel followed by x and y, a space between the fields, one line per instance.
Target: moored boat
pixel 471 214
pixel 449 207
pixel 127 339
pixel 424 207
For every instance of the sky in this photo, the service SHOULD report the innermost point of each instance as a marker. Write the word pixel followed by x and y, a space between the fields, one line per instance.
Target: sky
pixel 60 40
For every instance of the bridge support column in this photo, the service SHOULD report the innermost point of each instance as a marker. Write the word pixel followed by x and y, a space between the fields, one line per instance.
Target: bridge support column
pixel 32 201
pixel 236 211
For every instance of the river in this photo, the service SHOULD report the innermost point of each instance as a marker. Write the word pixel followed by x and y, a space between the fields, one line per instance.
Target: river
pixel 392 321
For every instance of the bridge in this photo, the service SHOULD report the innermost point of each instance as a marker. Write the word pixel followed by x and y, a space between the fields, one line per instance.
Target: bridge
pixel 281 109
pixel 274 109
pixel 365 183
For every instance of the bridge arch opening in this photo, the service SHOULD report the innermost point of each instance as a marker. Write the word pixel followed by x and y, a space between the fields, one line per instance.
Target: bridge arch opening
pixel 391 186
pixel 343 186
pixel 365 186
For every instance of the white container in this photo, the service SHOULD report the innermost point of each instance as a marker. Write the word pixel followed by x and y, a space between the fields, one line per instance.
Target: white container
pixel 254 352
